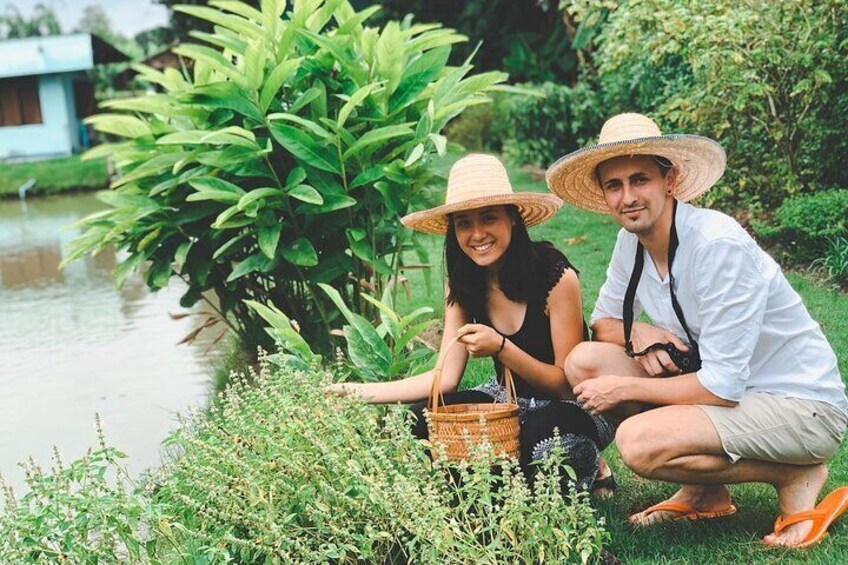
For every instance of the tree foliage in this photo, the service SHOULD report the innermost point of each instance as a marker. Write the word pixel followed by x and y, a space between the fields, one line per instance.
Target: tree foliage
pixel 42 22
pixel 284 160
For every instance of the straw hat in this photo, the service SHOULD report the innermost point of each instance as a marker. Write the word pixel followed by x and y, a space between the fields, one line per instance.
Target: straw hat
pixel 476 181
pixel 699 160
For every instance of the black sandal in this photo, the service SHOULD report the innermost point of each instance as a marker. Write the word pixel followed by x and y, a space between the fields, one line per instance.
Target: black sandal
pixel 604 488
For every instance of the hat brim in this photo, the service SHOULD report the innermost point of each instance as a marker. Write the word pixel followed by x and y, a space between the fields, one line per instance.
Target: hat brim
pixel 700 163
pixel 534 207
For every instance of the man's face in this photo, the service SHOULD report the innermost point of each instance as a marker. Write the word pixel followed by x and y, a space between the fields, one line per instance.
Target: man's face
pixel 636 192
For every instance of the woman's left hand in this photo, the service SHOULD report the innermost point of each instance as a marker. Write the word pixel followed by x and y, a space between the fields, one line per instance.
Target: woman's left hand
pixel 480 340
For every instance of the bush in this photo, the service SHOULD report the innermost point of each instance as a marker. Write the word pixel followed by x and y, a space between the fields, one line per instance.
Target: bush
pixel 484 127
pixel 835 260
pixel 86 512
pixel 281 473
pixel 285 159
pixel 546 128
pixel 805 225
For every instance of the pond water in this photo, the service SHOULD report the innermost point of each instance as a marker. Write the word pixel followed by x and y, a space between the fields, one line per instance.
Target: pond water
pixel 72 345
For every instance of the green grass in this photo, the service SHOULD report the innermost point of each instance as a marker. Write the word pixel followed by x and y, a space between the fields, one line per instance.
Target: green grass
pixel 53 176
pixel 587 239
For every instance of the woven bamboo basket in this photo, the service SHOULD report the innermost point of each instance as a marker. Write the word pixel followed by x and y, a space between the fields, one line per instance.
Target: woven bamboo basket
pixel 458 426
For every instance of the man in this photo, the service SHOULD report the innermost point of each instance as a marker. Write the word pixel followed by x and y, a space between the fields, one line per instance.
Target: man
pixel 762 400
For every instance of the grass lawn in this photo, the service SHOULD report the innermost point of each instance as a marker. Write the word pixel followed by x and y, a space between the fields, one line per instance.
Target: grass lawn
pixel 587 239
pixel 53 176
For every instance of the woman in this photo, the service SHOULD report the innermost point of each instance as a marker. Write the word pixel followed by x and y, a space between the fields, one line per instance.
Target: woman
pixel 511 299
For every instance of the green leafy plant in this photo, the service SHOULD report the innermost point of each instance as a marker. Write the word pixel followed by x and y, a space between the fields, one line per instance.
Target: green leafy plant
pixel 89 511
pixel 283 160
pixel 805 226
pixel 835 260
pixel 547 127
pixel 380 353
pixel 279 472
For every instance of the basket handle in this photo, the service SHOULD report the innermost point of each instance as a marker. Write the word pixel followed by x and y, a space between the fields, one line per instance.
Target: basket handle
pixel 436 386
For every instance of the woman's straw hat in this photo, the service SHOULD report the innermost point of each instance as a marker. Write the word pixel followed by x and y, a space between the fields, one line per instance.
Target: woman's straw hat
pixel 476 181
pixel 699 161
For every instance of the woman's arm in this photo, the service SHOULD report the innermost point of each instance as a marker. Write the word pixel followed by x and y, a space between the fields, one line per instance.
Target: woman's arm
pixel 417 387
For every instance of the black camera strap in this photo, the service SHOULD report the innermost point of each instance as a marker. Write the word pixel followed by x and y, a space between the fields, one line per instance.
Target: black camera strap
pixel 630 295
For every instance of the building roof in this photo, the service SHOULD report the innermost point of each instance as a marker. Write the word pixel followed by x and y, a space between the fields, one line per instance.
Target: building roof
pixel 55 54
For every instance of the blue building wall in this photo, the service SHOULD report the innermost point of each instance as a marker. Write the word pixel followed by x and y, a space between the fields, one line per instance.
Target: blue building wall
pixel 59 132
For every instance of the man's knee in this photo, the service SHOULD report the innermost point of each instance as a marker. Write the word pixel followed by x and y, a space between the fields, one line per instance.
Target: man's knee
pixel 582 363
pixel 638 449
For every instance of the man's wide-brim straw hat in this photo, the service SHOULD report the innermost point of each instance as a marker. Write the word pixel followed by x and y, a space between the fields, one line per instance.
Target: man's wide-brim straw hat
pixel 477 181
pixel 699 161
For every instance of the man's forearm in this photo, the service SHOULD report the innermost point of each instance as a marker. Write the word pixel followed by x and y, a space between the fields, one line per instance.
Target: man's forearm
pixel 608 330
pixel 683 389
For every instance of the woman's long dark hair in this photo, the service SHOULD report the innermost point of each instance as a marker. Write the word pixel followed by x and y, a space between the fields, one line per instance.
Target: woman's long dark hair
pixel 466 280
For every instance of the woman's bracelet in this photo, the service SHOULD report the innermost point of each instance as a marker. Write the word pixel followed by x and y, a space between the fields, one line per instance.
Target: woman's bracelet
pixel 503 343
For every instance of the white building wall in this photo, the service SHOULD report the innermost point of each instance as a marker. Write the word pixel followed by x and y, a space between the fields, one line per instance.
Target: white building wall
pixel 58 134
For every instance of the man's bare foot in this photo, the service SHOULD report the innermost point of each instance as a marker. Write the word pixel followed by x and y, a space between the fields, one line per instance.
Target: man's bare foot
pixel 702 498
pixel 798 494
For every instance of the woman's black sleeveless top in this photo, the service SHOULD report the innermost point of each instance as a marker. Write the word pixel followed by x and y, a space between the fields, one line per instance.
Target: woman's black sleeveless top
pixel 534 335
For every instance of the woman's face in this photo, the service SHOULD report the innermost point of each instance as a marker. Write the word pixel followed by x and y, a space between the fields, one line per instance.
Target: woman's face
pixel 483 234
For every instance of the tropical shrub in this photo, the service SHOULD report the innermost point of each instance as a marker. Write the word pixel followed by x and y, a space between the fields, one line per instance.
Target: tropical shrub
pixel 559 121
pixel 374 354
pixel 283 160
pixel 281 473
pixel 766 79
pixel 805 226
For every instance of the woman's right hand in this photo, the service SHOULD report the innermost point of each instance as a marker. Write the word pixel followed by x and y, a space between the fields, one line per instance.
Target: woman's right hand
pixel 341 389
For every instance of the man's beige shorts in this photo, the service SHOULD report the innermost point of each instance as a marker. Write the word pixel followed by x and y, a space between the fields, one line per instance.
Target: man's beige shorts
pixel 769 427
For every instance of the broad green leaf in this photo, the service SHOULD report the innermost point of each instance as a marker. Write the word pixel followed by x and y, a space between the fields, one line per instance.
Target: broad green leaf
pixel 306 193
pixel 387 315
pixel 215 183
pixel 418 75
pixel 119 124
pixel 241 8
pixel 415 155
pixel 228 245
pixel 253 263
pixel 378 135
pixel 355 100
pixel 226 94
pixel 300 252
pixel 238 24
pixel 275 81
pixel 212 58
pixel 332 203
pixel 269 237
pixel 377 352
pixel 440 142
pixel 390 55
pixel 284 329
pixel 256 194
pixel 308 124
pixel 368 176
pixel 305 148
pixel 353 24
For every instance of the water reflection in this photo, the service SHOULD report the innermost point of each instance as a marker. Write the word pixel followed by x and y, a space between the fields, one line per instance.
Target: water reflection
pixel 71 344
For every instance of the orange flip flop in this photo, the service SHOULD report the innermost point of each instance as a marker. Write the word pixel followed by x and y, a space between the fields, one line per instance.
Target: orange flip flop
pixel 684 512
pixel 823 515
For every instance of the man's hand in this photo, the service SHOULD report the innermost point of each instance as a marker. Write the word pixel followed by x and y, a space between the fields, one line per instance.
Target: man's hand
pixel 602 394
pixel 656 363
pixel 480 340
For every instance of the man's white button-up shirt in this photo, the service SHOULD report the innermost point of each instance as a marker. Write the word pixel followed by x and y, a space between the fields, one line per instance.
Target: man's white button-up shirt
pixel 753 330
